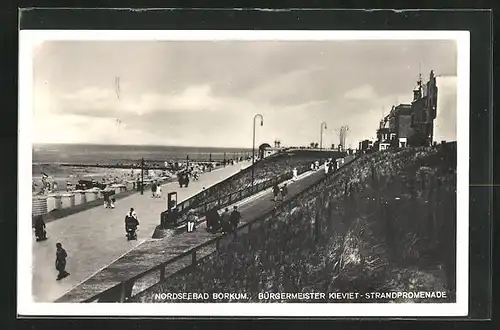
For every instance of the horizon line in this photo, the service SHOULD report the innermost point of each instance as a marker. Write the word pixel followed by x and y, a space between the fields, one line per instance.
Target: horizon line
pixel 133 145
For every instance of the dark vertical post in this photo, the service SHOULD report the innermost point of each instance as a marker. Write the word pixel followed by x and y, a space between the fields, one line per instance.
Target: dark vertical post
pixel 193 259
pixel 253 145
pixel 162 273
pixel 224 159
pixel 323 124
pixel 187 162
pixel 142 176
pixel 316 220
pixel 123 292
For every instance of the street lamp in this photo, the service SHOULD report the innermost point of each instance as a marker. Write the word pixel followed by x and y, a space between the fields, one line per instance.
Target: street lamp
pixel 323 125
pixel 142 176
pixel 253 146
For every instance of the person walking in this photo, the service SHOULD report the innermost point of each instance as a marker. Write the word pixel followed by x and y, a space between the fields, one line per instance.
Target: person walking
pixel 191 221
pixel 61 256
pixel 153 189
pixel 131 221
pixel 180 179
pixel 280 194
pixel 234 219
pixel 276 190
pixel 295 174
pixel 224 221
pixel 39 226
pixel 158 191
pixel 213 221
pixel 105 194
pixel 284 190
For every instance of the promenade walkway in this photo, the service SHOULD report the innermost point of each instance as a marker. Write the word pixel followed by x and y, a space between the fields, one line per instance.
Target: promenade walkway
pixel 154 252
pixel 96 237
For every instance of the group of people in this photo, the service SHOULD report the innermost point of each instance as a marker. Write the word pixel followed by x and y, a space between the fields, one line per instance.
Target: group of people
pixel 330 165
pixel 48 185
pixel 61 255
pixel 315 165
pixel 185 175
pixel 183 178
pixel 109 199
pixel 156 190
pixel 227 222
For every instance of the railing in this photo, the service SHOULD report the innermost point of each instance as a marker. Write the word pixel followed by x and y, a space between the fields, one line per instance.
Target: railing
pixel 200 204
pixel 123 291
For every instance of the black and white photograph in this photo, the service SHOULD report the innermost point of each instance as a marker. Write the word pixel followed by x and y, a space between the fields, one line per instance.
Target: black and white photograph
pixel 237 173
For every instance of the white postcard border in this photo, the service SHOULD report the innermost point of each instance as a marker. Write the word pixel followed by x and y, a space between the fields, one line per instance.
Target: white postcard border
pixel 29 39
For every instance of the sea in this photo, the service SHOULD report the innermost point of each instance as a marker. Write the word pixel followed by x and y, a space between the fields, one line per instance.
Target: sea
pixel 113 154
pixel 47 158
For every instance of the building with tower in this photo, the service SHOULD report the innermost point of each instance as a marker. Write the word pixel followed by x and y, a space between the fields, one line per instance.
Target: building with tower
pixel 410 124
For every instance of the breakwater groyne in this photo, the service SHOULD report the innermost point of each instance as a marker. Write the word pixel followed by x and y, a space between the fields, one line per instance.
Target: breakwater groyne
pixel 154 166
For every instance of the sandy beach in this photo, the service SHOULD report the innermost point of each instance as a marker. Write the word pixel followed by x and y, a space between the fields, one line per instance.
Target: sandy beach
pixel 64 174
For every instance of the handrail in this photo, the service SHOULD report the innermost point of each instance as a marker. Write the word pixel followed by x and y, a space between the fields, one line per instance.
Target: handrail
pixel 127 285
pixel 215 187
pixel 194 201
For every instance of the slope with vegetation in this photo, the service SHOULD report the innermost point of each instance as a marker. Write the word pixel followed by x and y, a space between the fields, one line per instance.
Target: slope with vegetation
pixel 385 223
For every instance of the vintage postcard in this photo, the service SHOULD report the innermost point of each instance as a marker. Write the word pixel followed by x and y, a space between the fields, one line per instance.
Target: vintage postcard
pixel 243 173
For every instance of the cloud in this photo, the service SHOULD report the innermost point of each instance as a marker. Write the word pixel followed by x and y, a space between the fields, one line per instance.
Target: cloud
pixel 91 114
pixel 101 102
pixel 206 93
pixel 221 120
pixel 365 92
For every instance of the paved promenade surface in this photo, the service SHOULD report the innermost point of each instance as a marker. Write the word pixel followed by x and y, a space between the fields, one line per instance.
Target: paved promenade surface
pixel 154 252
pixel 96 237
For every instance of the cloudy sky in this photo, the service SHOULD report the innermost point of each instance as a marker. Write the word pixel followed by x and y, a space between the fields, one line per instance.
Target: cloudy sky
pixel 203 93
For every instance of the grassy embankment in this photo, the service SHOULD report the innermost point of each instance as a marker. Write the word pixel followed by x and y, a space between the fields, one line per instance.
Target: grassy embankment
pixel 386 223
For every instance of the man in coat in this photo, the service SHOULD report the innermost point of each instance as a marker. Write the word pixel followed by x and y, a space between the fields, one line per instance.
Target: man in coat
pixel 61 256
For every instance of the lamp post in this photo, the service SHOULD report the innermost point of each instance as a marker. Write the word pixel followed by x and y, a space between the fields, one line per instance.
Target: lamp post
pixel 253 145
pixel 142 176
pixel 323 125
